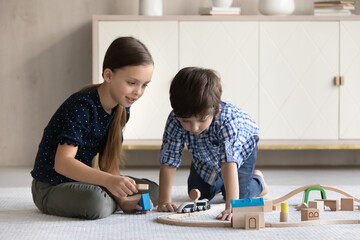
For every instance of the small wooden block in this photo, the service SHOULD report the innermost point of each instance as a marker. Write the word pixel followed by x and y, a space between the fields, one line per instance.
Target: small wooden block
pixel 284 216
pixel 359 207
pixel 252 221
pixel 142 186
pixel 317 204
pixel 276 207
pixel 347 204
pixel 302 206
pixel 308 214
pixel 332 204
pixel 268 206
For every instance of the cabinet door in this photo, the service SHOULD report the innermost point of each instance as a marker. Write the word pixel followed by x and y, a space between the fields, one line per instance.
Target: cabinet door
pixel 230 48
pixel 350 91
pixel 298 62
pixel 149 114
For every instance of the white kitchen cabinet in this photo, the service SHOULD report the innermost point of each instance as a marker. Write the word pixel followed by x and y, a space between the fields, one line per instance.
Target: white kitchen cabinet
pixel 298 63
pixel 350 70
pixel 230 48
pixel 149 113
pixel 280 70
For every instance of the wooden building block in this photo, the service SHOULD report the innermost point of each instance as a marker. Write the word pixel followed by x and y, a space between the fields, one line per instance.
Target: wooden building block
pixel 302 206
pixel 284 216
pixel 332 204
pixel 317 204
pixel 268 206
pixel 276 207
pixel 308 214
pixel 142 186
pixel 145 202
pixel 347 204
pixel 240 212
pixel 252 221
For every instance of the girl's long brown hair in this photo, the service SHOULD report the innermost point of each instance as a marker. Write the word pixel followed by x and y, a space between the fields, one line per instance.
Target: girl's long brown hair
pixel 123 51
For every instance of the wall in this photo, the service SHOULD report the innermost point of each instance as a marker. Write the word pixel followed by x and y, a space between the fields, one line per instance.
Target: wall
pixel 45 48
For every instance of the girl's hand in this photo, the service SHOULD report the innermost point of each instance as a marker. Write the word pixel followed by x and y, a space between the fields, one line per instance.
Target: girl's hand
pixel 121 186
pixel 167 207
pixel 130 204
pixel 225 215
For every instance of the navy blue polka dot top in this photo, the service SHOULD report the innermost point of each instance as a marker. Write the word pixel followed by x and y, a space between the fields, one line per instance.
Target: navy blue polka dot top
pixel 80 121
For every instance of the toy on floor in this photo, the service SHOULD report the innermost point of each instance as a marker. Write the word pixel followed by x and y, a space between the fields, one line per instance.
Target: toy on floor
pixel 307 191
pixel 248 213
pixel 141 186
pixel 251 219
pixel 144 202
pixel 304 188
pixel 284 214
pixel 309 214
pixel 347 204
pixel 195 206
pixel 317 205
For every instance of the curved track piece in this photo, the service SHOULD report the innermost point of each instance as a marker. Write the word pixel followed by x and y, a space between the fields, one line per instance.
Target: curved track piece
pixel 312 223
pixel 341 192
pixel 301 189
pixel 175 219
pixel 294 192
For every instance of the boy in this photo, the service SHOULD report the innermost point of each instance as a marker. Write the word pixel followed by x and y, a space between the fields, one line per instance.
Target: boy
pixel 221 138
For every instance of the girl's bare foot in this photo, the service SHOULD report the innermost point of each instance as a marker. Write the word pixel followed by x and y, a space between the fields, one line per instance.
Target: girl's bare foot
pixel 266 187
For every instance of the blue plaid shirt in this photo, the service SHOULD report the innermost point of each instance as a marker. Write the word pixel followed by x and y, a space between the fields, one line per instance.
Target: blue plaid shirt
pixel 231 137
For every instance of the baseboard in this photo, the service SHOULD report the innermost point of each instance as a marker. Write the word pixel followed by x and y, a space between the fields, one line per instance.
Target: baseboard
pixel 266 158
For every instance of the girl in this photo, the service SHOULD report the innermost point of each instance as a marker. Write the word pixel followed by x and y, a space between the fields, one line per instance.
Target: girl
pixel 90 122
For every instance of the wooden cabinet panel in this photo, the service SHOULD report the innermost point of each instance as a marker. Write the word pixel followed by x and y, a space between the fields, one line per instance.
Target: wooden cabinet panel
pixel 350 69
pixel 149 113
pixel 280 72
pixel 230 48
pixel 298 61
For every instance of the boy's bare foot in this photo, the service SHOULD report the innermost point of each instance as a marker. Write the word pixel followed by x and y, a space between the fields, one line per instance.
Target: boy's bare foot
pixel 266 187
pixel 194 194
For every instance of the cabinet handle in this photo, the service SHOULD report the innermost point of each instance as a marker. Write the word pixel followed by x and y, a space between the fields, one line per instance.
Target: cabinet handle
pixel 342 80
pixel 337 81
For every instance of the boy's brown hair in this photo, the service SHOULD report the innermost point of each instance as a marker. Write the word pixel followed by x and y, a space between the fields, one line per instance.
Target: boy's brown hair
pixel 195 92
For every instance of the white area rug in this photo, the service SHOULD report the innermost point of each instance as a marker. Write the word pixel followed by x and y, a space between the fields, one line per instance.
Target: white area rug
pixel 20 219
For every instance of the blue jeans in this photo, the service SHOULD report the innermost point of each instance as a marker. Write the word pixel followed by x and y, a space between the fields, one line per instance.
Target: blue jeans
pixel 250 185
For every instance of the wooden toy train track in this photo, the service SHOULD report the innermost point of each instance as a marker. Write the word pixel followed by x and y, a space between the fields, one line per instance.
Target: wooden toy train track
pixel 177 219
pixel 301 189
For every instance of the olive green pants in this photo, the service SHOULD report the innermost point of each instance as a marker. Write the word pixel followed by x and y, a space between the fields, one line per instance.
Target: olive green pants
pixel 81 200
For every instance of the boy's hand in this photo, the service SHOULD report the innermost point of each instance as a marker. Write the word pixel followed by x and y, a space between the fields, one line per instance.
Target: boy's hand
pixel 130 204
pixel 225 215
pixel 167 207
